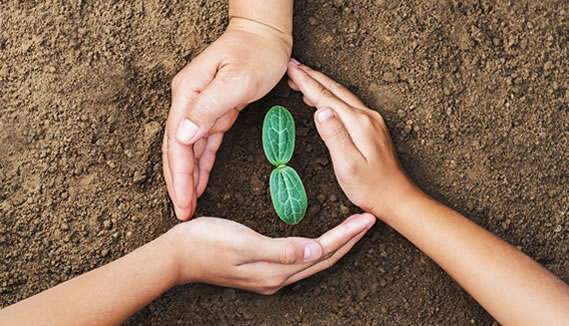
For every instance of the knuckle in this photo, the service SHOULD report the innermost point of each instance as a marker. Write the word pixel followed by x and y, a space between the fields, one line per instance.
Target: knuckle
pixel 366 121
pixel 201 108
pixel 268 291
pixel 337 133
pixel 288 255
pixel 329 262
pixel 325 93
pixel 377 117
pixel 334 85
pixel 351 167
pixel 176 81
pixel 274 283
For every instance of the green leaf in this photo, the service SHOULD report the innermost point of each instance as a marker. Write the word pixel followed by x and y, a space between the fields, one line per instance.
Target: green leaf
pixel 278 135
pixel 288 194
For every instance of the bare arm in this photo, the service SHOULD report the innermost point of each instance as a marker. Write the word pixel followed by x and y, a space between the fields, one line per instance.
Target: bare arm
pixel 105 296
pixel 206 250
pixel 508 284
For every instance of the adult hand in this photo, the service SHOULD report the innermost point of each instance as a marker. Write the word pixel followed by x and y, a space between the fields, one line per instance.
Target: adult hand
pixel 243 65
pixel 222 252
pixel 365 161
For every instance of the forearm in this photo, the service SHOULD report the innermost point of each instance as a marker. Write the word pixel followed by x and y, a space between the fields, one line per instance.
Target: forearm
pixel 508 284
pixel 107 295
pixel 274 13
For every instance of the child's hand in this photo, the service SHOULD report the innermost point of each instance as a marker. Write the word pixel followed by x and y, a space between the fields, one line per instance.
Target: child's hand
pixel 243 65
pixel 365 161
pixel 222 252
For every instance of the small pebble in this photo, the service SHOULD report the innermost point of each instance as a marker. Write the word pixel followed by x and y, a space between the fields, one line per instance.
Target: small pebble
pixel 408 129
pixel 312 21
pixel 333 198
pixel 64 195
pixel 107 224
pixel 313 210
pixel 321 198
pixel 390 77
pixel 344 209
pixel 64 227
pixel 138 178
pixel 401 114
pixel 104 252
pixel 322 161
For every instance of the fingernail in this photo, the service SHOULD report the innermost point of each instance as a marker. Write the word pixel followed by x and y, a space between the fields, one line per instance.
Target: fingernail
pixel 294 62
pixel 186 131
pixel 370 224
pixel 324 115
pixel 311 252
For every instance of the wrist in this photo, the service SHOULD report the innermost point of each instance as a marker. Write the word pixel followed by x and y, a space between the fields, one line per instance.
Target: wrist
pixel 405 194
pixel 274 13
pixel 170 256
pixel 262 29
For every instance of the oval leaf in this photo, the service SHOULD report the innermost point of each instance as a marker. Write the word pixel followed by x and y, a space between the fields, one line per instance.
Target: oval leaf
pixel 278 135
pixel 288 194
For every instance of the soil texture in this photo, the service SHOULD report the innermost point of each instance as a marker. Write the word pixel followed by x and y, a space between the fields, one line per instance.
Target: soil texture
pixel 475 94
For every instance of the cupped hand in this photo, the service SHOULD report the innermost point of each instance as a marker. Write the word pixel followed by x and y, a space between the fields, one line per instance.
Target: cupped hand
pixel 243 65
pixel 364 159
pixel 222 252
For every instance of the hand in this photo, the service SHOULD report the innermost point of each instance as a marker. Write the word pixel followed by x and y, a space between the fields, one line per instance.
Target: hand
pixel 222 252
pixel 364 159
pixel 243 65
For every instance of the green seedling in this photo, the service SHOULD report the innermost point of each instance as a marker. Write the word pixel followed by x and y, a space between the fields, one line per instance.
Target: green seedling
pixel 287 191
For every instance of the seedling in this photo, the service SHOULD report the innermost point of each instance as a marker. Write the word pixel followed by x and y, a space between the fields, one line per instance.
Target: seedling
pixel 287 191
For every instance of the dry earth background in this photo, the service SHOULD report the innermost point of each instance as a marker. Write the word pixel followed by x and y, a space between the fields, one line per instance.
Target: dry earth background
pixel 475 94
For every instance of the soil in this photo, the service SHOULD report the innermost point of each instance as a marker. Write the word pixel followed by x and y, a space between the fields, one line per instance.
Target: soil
pixel 475 93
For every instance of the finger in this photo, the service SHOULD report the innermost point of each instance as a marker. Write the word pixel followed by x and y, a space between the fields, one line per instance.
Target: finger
pixel 178 157
pixel 199 148
pixel 274 253
pixel 343 233
pixel 308 102
pixel 336 88
pixel 292 85
pixel 181 168
pixel 206 161
pixel 328 242
pixel 181 213
pixel 226 91
pixel 328 262
pixel 339 142
pixel 225 122
pixel 315 92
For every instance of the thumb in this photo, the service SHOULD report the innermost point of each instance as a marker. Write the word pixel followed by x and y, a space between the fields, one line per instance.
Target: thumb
pixel 226 91
pixel 335 135
pixel 288 251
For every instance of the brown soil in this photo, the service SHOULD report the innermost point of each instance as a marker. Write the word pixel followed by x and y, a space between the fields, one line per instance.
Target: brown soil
pixel 475 93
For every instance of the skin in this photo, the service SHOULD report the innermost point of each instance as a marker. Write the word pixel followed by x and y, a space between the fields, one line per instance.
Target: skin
pixel 252 54
pixel 222 252
pixel 511 286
